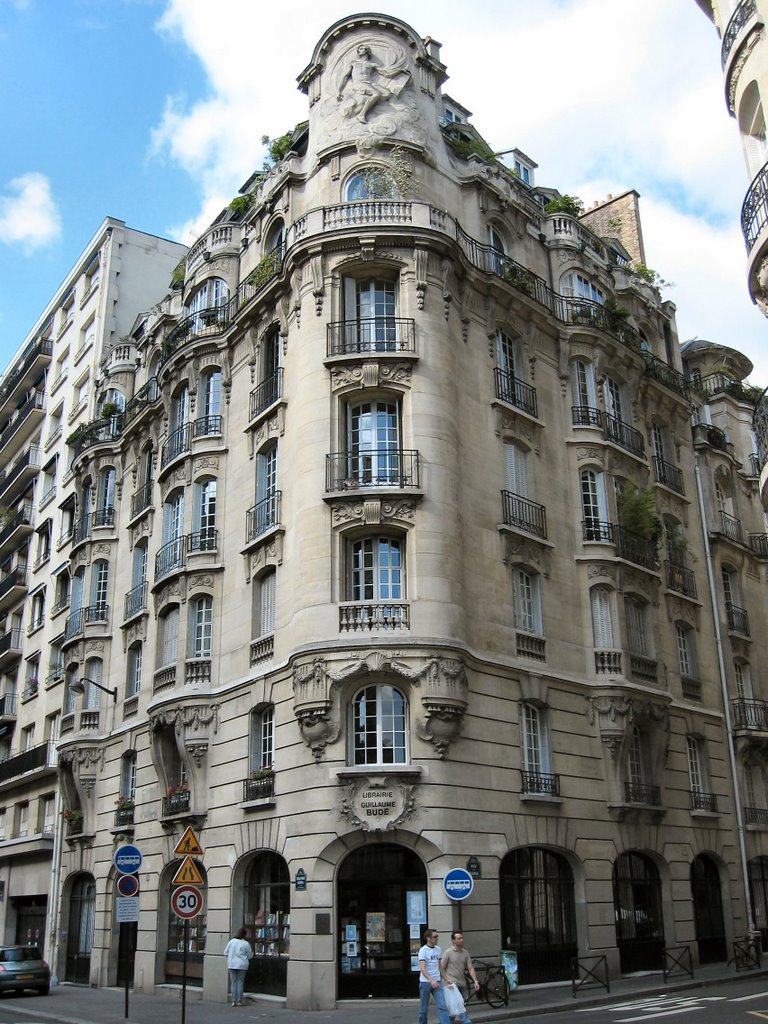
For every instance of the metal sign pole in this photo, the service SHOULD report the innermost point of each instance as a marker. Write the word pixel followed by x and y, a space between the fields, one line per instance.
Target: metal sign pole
pixel 184 973
pixel 125 942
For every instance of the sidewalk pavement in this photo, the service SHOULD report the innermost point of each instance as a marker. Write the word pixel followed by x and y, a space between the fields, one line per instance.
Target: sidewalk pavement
pixel 78 1004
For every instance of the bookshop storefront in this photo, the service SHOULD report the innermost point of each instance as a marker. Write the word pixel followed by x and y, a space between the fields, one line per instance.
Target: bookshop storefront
pixel 382 913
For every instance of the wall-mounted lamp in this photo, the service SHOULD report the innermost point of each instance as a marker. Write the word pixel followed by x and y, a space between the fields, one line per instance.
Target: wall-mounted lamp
pixel 244 243
pixel 78 686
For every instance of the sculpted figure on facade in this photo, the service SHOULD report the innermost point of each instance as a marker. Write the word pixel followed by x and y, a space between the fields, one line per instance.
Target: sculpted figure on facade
pixel 367 82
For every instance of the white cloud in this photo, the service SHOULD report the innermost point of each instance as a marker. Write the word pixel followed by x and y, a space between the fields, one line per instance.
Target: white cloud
pixel 594 90
pixel 28 213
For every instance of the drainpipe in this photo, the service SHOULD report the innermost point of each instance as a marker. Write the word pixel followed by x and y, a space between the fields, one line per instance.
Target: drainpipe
pixel 726 699
pixel 53 890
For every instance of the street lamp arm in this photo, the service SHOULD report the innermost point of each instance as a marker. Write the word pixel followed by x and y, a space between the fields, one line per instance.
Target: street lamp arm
pixel 78 686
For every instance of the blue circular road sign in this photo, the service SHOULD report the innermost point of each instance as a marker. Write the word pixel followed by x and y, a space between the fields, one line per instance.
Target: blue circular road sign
pixel 458 884
pixel 127 859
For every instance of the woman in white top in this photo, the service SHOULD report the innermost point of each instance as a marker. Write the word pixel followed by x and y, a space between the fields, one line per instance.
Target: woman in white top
pixel 238 953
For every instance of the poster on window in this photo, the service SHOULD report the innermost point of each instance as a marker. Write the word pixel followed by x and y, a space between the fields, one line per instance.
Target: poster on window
pixel 416 905
pixel 375 927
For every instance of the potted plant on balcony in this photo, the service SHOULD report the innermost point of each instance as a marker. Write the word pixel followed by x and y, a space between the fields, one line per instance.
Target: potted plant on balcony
pixel 177 790
pixel 259 774
pixel 125 803
pixel 72 814
pixel 30 687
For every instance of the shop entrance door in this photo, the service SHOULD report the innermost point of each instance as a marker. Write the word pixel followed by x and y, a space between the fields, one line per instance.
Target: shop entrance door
pixel 382 901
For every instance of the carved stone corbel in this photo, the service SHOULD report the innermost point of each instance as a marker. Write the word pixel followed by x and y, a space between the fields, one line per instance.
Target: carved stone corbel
pixel 444 699
pixel 313 706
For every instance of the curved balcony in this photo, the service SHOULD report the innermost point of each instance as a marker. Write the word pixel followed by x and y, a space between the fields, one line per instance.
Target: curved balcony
pixel 754 227
pixel 744 12
pixel 180 441
pixel 751 715
pixel 101 431
pixel 665 374
pixel 94 614
pixel 383 468
pixel 376 335
pixel 172 557
pixel 144 398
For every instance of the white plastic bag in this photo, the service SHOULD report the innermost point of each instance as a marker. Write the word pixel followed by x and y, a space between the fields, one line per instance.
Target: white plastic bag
pixel 454 1004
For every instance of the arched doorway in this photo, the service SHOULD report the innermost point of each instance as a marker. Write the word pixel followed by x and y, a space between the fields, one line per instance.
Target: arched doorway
pixel 82 911
pixel 266 915
pixel 708 910
pixel 637 909
pixel 758 891
pixel 538 913
pixel 382 902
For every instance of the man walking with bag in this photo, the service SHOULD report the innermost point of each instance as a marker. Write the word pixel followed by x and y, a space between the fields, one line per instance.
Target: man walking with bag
pixel 455 965
pixel 429 978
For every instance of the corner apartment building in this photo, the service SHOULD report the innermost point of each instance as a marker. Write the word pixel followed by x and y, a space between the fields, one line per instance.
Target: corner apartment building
pixel 406 537
pixel 74 354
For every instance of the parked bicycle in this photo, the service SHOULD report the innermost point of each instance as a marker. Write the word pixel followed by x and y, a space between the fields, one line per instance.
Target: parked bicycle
pixel 493 985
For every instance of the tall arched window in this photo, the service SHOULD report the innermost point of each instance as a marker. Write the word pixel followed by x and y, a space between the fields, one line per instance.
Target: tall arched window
pixel 204 538
pixel 379 726
pixel 594 506
pixel 209 400
pixel 94 669
pixel 169 636
pixel 262 746
pixel 133 672
pixel 752 129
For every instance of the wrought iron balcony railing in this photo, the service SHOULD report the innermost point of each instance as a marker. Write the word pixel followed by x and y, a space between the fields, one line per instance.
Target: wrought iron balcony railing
pixel 263 516
pixel 730 527
pixel 668 475
pixel 378 334
pixel 135 600
pixel 206 539
pixel 666 375
pixel 759 544
pixel 586 416
pixel 94 614
pixel 178 443
pixel 379 467
pixel 170 557
pixel 142 499
pixel 124 817
pixel 259 789
pixel 738 620
pixel 750 714
pixel 754 209
pixel 639 793
pixel 634 548
pixel 513 391
pixel 680 578
pixel 541 783
pixel 143 398
pixel 622 434
pixel 266 393
pixel 703 801
pixel 524 514
pixel 176 803
pixel 22 517
pixel 206 426
pixel 744 11
pixel 756 816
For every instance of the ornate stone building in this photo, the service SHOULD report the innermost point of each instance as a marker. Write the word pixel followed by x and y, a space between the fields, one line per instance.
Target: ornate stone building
pixel 413 563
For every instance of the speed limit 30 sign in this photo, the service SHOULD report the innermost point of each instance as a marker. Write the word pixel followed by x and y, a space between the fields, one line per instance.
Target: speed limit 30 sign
pixel 186 902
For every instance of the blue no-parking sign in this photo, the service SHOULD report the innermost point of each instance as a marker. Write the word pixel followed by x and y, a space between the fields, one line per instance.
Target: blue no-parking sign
pixel 458 884
pixel 127 859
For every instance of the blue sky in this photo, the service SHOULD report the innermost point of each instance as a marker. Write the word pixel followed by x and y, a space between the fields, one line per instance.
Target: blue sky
pixel 152 111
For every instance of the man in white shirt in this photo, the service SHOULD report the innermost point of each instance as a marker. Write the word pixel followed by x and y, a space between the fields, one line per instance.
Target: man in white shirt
pixel 430 983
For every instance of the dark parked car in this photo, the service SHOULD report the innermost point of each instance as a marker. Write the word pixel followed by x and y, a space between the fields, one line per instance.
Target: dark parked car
pixel 23 967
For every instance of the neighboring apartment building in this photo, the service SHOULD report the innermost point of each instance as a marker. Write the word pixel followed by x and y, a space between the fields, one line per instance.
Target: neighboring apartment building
pixel 394 551
pixel 73 356
pixel 744 55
